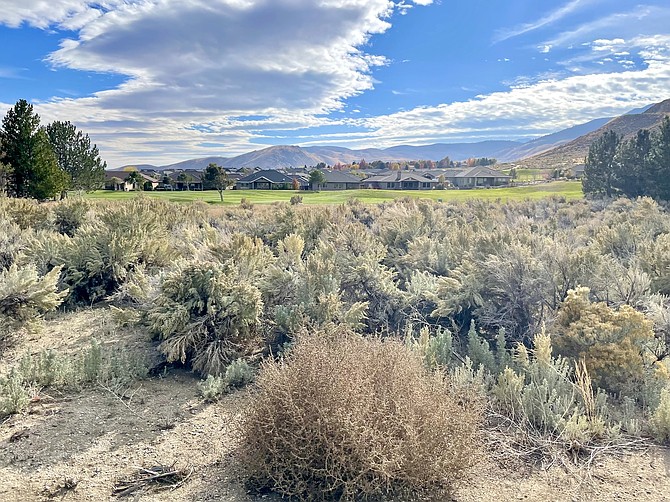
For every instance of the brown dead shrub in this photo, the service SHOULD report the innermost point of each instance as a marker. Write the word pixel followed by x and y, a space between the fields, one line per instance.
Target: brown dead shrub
pixel 342 418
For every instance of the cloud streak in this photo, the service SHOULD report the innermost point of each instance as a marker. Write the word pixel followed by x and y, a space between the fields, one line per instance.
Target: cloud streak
pixel 550 18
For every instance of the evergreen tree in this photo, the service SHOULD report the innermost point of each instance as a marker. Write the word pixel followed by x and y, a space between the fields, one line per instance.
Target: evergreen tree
pixel 76 156
pixel 317 178
pixel 5 177
pixel 599 170
pixel 17 135
pixel 632 166
pixel 660 162
pixel 216 178
pixel 46 177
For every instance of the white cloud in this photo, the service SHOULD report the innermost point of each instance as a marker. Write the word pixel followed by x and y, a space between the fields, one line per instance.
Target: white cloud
pixel 206 62
pixel 550 18
pixel 643 19
pixel 532 108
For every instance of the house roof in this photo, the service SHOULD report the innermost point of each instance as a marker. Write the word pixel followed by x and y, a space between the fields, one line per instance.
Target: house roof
pixel 398 176
pixel 340 177
pixel 270 175
pixel 479 172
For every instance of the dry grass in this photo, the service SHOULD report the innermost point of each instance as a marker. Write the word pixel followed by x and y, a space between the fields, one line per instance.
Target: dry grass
pixel 347 418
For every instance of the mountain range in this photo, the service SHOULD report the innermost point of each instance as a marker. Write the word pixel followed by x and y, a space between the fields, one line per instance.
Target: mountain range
pixel 563 148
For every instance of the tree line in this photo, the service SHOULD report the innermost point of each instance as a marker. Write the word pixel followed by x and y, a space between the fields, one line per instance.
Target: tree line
pixel 42 162
pixel 635 167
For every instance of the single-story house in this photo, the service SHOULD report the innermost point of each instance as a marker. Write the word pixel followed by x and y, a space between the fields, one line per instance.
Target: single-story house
pixel 478 176
pixel 400 180
pixel 337 180
pixel 118 181
pixel 269 179
pixel 186 179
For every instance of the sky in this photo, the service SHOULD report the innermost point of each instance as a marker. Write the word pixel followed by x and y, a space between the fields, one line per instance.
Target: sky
pixel 160 81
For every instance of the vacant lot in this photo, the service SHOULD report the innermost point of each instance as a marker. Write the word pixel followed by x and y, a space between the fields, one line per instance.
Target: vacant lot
pixel 78 446
pixel 567 189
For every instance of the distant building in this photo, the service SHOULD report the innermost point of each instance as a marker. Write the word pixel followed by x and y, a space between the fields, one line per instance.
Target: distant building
pixel 268 179
pixel 337 180
pixel 118 180
pixel 400 180
pixel 478 176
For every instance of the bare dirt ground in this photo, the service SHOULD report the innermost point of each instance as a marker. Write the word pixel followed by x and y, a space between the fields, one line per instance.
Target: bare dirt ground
pixel 78 446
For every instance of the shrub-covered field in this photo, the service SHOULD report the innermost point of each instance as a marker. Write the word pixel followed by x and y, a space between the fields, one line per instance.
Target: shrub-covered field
pixel 379 342
pixel 567 189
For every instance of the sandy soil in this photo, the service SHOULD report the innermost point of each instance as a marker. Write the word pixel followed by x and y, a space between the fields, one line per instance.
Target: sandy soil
pixel 77 447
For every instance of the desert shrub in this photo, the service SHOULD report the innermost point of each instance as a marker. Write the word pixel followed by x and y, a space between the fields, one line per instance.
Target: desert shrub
pixel 206 317
pixel 14 394
pixel 347 418
pixel 238 374
pixel 660 419
pixel 12 242
pixel 479 351
pixel 69 215
pixel 433 346
pixel 546 395
pixel 26 213
pixel 613 343
pixel 25 297
pixel 97 364
pixel 106 250
pixel 246 203
pixel 655 260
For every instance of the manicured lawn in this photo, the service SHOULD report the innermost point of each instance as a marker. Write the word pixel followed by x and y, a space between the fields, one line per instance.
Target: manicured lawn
pixel 567 189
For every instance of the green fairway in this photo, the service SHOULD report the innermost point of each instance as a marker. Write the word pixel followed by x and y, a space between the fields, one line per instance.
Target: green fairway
pixel 567 189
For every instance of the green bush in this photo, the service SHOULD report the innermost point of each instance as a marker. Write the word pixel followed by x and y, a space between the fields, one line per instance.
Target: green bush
pixel 347 418
pixel 238 374
pixel 206 318
pixel 96 365
pixel 660 419
pixel 70 215
pixel 25 297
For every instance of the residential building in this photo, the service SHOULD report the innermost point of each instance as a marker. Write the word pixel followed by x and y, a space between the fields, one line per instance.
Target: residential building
pixel 269 179
pixel 400 180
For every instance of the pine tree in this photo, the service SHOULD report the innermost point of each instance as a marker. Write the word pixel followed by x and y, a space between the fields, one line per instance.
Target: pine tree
pixel 46 178
pixel 76 156
pixel 660 162
pixel 599 171
pixel 633 167
pixel 17 135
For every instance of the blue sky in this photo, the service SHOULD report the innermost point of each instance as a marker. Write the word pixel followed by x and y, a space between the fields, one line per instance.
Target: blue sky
pixel 158 81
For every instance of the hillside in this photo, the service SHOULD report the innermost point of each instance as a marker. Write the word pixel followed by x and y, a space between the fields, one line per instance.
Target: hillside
pixel 546 143
pixel 195 163
pixel 574 152
pixel 274 157
pixel 562 148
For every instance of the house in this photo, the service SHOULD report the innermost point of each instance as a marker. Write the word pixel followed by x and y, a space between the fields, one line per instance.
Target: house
pixel 578 171
pixel 186 179
pixel 118 181
pixel 269 179
pixel 400 180
pixel 337 180
pixel 478 176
